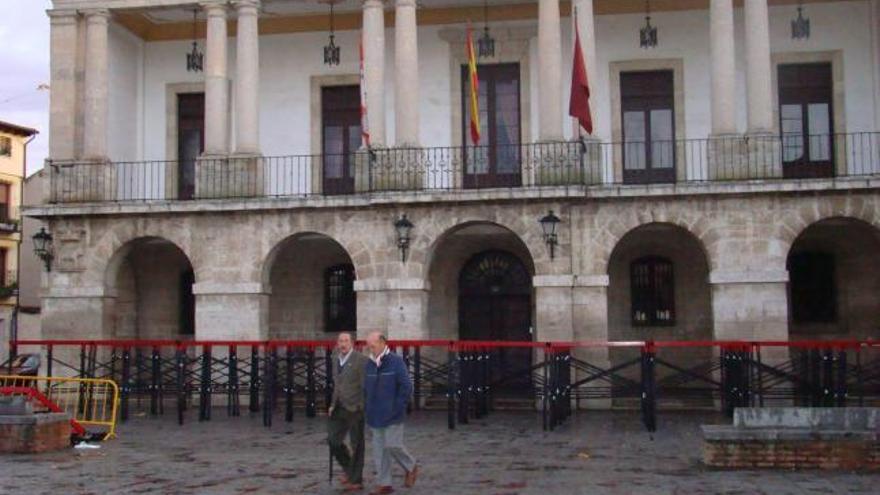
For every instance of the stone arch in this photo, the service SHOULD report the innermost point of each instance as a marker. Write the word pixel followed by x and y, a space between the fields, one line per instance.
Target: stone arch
pixel 659 290
pixel 815 210
pixel 148 282
pixel 834 279
pixel 309 277
pixel 450 253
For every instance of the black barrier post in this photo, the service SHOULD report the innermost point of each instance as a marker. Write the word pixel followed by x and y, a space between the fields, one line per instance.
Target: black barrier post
pixel 828 378
pixel 180 358
pixel 269 372
pixel 49 359
pixel 205 385
pixel 450 388
pixel 82 361
pixel 232 400
pixel 841 392
pixel 816 378
pixel 310 383
pixel 254 385
pixel 328 378
pixel 417 378
pixel 859 382
pixel 288 384
pixel 155 376
pixel 545 392
pixel 125 387
pixel 464 386
pixel 760 376
pixel 479 384
pixel 649 406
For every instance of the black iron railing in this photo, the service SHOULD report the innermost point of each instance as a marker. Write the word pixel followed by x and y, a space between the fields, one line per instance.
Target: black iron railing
pixel 536 165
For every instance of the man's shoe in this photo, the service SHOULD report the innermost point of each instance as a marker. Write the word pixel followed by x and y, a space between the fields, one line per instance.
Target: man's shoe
pixel 411 476
pixel 343 480
pixel 352 487
pixel 382 490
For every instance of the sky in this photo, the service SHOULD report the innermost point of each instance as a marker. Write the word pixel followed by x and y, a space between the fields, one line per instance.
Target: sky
pixel 24 34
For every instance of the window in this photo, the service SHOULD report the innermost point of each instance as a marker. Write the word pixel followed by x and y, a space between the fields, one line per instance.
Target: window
pixel 812 288
pixel 495 162
pixel 4 201
pixel 340 136
pixel 340 301
pixel 653 292
pixel 4 279
pixel 5 146
pixel 648 106
pixel 805 120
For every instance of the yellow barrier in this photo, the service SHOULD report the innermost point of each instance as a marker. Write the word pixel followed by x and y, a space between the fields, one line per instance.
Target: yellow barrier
pixel 88 401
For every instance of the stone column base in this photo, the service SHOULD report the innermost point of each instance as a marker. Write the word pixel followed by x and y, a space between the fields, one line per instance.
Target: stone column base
pixel 564 163
pixel 231 311
pixel 390 169
pixel 750 156
pixel 82 181
pixel 235 176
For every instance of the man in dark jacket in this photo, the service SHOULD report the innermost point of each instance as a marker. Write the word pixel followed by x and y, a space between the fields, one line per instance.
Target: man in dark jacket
pixel 347 411
pixel 387 388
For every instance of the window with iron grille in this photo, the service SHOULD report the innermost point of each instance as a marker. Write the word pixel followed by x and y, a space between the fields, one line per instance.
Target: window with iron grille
pixel 813 292
pixel 340 301
pixel 5 146
pixel 653 292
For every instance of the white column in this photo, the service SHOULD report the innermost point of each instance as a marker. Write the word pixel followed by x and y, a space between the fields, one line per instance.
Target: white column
pixel 216 81
pixel 549 71
pixel 247 81
pixel 374 68
pixel 587 27
pixel 406 74
pixel 758 76
pixel 723 67
pixel 62 70
pixel 95 109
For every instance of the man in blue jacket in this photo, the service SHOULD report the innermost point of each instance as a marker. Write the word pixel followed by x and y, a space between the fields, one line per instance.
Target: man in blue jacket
pixel 387 389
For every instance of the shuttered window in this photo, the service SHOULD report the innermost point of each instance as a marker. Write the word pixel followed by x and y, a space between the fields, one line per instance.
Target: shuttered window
pixel 653 292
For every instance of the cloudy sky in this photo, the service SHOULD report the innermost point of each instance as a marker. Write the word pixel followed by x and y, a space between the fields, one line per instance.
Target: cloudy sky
pixel 24 32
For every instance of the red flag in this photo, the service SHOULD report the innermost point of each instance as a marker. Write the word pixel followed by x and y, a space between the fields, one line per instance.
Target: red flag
pixel 365 123
pixel 579 103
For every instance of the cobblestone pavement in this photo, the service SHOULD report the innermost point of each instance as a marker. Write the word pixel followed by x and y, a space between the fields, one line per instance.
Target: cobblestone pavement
pixel 508 453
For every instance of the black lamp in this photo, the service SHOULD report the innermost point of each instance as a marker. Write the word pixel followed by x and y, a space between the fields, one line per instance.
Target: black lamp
pixel 43 247
pixel 548 225
pixel 403 227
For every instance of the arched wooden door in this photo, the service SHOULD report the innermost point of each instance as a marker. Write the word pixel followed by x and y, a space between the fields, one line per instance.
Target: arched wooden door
pixel 495 303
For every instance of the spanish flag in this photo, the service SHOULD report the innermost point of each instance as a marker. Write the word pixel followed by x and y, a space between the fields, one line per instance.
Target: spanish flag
pixel 475 88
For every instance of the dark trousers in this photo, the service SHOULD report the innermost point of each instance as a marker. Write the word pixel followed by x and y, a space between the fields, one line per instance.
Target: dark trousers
pixel 350 458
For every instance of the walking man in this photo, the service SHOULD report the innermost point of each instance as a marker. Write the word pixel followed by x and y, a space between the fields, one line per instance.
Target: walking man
pixel 387 389
pixel 347 412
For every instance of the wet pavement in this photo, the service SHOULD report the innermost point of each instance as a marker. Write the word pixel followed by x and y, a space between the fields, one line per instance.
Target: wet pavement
pixel 505 454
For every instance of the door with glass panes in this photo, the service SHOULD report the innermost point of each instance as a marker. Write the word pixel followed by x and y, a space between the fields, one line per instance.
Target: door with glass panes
pixel 495 161
pixel 190 141
pixel 341 136
pixel 805 120
pixel 648 111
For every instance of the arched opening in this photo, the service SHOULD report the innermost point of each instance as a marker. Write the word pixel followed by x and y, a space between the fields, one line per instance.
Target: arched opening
pixel 311 278
pixel 152 281
pixel 833 281
pixel 481 289
pixel 659 290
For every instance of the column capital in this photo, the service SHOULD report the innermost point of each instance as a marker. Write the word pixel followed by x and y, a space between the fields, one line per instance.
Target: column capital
pixel 96 15
pixel 241 5
pixel 373 4
pixel 61 16
pixel 214 7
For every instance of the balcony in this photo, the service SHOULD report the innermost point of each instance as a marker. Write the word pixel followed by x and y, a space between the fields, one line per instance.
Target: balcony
pixel 578 167
pixel 9 219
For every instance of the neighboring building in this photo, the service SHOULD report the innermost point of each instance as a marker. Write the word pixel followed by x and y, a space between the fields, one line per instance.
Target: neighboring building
pixel 13 154
pixel 730 192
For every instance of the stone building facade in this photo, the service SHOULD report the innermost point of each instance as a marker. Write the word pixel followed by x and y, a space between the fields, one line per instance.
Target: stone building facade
pixel 732 235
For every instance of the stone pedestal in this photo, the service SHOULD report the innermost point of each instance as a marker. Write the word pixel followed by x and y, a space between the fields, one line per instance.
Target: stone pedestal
pixel 235 176
pixel 398 307
pixel 34 433
pixel 590 310
pixel 564 163
pixel 82 182
pixel 737 157
pixel 389 169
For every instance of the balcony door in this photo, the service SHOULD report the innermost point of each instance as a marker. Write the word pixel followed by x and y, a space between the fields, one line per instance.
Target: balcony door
pixel 190 141
pixel 340 136
pixel 648 107
pixel 496 161
pixel 805 120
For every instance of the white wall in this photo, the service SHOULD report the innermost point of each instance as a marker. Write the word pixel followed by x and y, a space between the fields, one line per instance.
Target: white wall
pixel 124 98
pixel 288 61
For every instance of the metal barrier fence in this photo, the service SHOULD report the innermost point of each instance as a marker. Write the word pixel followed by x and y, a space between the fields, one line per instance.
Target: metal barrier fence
pixel 88 401
pixel 532 165
pixel 471 379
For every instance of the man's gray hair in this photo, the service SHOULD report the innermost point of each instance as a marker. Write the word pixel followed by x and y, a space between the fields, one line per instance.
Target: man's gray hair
pixel 346 332
pixel 380 335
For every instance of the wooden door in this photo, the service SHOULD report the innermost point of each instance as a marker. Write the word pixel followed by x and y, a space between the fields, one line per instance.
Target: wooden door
pixel 806 120
pixel 190 141
pixel 648 119
pixel 340 137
